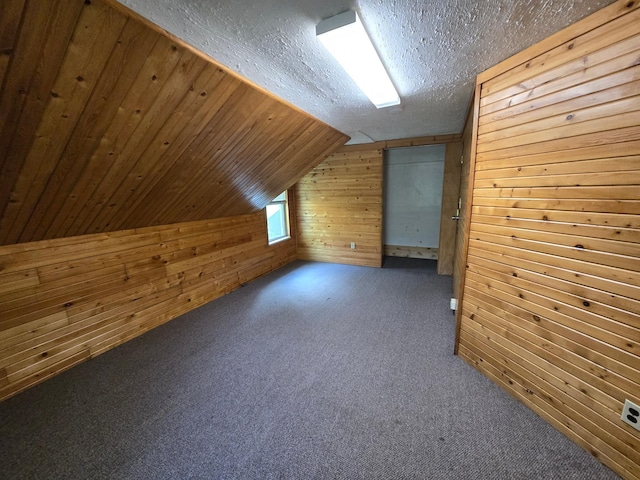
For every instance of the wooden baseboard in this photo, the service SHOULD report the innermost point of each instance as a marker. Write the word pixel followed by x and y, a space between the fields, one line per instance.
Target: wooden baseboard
pixel 411 252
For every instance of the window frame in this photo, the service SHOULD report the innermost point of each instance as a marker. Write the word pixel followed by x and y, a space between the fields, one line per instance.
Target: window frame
pixel 284 204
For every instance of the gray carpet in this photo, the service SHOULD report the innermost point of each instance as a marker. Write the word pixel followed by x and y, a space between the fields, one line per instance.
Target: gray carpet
pixel 316 371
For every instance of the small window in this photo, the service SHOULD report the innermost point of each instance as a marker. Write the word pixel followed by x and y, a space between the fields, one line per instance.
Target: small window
pixel 278 218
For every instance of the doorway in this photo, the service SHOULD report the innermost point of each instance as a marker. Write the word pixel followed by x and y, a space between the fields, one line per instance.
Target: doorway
pixel 412 201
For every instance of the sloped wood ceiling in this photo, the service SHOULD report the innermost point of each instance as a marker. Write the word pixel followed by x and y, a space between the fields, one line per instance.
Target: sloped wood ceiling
pixel 107 123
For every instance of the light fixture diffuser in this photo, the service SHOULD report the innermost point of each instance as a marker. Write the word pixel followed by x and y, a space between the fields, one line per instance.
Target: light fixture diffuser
pixel 346 39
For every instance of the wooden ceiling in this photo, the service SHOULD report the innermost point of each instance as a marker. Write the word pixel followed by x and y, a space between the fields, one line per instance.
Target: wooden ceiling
pixel 108 123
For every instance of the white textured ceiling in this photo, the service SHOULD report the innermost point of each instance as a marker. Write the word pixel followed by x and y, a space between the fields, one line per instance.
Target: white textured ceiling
pixel 433 50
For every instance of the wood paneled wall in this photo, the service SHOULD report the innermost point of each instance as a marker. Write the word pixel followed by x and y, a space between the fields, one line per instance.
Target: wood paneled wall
pixel 108 123
pixel 551 300
pixel 64 301
pixel 461 238
pixel 450 195
pixel 339 202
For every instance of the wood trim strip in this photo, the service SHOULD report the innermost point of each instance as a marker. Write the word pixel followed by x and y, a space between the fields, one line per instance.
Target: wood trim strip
pixel 467 214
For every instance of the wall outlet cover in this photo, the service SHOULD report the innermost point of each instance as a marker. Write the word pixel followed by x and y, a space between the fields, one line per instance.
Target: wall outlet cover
pixel 631 414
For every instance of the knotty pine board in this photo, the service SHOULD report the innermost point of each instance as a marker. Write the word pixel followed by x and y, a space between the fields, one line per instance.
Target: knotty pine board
pixel 109 123
pixel 551 260
pixel 339 202
pixel 450 197
pixel 64 301
pixel 461 238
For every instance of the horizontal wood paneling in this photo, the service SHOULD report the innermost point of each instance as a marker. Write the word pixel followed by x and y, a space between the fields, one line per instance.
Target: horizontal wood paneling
pixel 427 253
pixel 64 301
pixel 108 123
pixel 551 299
pixel 339 202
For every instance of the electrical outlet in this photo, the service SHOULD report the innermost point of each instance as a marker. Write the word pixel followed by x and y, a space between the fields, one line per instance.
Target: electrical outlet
pixel 631 414
pixel 353 245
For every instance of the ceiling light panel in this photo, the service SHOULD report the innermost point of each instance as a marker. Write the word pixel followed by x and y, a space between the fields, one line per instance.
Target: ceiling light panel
pixel 346 39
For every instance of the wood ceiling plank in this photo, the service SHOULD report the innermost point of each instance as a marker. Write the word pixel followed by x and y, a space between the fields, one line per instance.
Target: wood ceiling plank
pixel 228 129
pixel 240 158
pixel 97 31
pixel 151 131
pixel 171 90
pixel 252 173
pixel 160 62
pixel 27 86
pixel 314 144
pixel 126 60
pixel 11 12
pixel 215 148
pixel 174 90
pixel 174 155
pixel 152 159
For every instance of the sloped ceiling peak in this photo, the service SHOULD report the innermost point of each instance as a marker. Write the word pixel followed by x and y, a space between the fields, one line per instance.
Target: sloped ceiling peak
pixel 107 124
pixel 433 50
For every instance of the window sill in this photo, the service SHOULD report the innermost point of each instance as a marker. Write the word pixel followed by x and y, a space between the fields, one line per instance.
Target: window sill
pixel 279 240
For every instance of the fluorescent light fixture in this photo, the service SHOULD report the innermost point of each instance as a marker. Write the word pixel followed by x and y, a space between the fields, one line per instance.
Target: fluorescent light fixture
pixel 345 37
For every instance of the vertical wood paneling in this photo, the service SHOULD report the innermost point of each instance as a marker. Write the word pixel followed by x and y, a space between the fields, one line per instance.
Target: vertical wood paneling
pixel 10 17
pixel 46 29
pixel 551 301
pixel 64 301
pixel 127 58
pixel 339 202
pixel 90 47
pixel 459 258
pixel 450 195
pixel 109 123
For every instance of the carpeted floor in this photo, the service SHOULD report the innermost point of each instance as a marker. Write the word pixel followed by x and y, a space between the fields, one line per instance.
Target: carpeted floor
pixel 316 371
